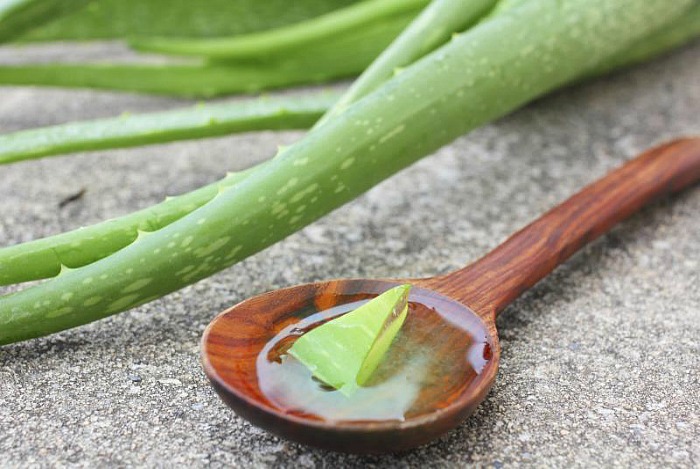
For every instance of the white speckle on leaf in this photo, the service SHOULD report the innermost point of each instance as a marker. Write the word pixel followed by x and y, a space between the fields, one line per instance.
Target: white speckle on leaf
pixel 213 247
pixel 122 303
pixel 392 133
pixel 93 300
pixel 303 193
pixel 60 312
pixel 288 185
pixel 347 163
pixel 278 207
pixel 184 270
pixel 137 285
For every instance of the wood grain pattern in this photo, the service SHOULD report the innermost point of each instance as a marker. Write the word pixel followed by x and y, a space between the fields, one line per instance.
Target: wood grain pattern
pixel 490 284
pixel 234 340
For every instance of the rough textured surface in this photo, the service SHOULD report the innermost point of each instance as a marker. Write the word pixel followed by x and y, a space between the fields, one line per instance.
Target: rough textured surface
pixel 599 361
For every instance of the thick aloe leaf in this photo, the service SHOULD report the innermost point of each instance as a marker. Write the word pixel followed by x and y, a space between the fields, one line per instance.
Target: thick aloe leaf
pixel 20 16
pixel 197 122
pixel 386 336
pixel 47 257
pixel 432 28
pixel 181 80
pixel 344 352
pixel 475 78
pixel 108 19
pixel 293 38
pixel 43 258
pixel 337 56
pixel 685 29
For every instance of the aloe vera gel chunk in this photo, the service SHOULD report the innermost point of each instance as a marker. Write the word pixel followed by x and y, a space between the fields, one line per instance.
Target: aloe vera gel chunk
pixel 344 352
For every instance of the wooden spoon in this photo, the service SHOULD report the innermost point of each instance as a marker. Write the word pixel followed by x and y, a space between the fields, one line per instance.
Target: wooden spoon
pixel 476 293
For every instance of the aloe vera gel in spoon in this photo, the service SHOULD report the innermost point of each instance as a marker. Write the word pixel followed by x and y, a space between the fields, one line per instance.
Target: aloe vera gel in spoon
pixel 373 359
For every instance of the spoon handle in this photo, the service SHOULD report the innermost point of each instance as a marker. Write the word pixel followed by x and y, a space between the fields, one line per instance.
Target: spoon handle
pixel 491 283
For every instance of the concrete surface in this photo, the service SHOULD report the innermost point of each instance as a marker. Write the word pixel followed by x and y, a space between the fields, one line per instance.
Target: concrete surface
pixel 600 361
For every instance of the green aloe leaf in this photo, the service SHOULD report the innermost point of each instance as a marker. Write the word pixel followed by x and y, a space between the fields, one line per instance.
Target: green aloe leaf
pixel 181 124
pixel 314 63
pixel 337 45
pixel 476 77
pixel 683 30
pixel 344 352
pixel 293 38
pixel 111 19
pixel 47 257
pixel 335 57
pixel 432 28
pixel 188 80
pixel 20 16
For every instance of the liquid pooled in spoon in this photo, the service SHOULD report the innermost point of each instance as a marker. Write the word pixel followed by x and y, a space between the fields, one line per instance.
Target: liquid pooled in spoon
pixel 433 359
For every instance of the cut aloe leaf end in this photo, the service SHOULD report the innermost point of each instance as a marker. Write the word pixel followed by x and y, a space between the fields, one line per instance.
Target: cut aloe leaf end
pixel 345 352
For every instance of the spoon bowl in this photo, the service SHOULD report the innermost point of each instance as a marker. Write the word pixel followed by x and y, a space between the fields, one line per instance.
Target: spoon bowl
pixel 235 339
pixel 471 297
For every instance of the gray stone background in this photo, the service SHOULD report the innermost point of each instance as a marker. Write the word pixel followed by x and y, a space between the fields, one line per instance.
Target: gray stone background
pixel 600 361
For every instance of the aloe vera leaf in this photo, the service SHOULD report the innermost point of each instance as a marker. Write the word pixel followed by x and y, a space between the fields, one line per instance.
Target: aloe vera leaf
pixel 41 257
pixel 342 54
pixel 20 16
pixel 317 64
pixel 337 56
pixel 47 257
pixel 390 328
pixel 209 80
pixel 432 28
pixel 683 30
pixel 345 351
pixel 504 5
pixel 196 80
pixel 480 75
pixel 181 124
pixel 291 38
pixel 113 19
